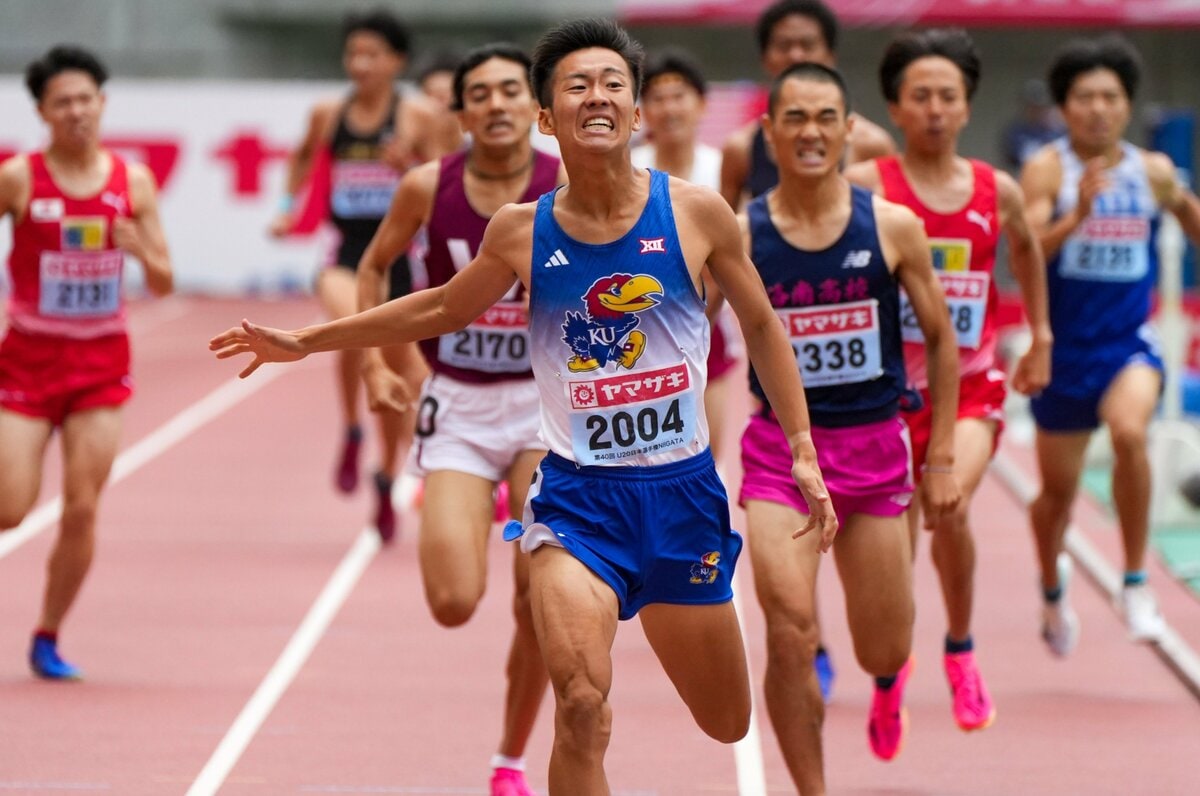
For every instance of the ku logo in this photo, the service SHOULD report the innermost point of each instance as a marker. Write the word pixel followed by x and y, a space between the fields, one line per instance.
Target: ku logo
pixel 653 245
pixel 606 332
pixel 707 570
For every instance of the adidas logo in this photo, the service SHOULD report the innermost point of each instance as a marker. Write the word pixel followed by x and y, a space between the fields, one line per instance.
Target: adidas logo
pixel 857 259
pixel 558 258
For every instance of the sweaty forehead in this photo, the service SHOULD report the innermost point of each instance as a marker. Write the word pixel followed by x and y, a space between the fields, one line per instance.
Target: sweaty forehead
pixel 592 61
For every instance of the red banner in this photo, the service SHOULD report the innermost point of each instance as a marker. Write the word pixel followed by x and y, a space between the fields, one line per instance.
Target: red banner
pixel 1110 13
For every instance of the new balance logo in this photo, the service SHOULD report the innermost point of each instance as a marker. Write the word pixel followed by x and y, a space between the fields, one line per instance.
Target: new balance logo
pixel 649 245
pixel 857 259
pixel 558 258
pixel 975 217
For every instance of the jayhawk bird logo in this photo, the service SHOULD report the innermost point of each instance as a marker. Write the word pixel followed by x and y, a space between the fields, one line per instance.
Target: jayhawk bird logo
pixel 706 571
pixel 606 332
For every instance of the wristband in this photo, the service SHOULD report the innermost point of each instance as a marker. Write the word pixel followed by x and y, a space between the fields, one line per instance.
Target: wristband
pixel 286 202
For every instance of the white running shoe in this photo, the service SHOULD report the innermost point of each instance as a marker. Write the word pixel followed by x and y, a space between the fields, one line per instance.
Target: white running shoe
pixel 1140 610
pixel 1060 625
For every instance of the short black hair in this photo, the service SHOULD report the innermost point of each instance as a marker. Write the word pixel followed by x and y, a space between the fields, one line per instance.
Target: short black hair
pixel 439 61
pixel 581 34
pixel 675 62
pixel 953 44
pixel 504 51
pixel 62 58
pixel 817 73
pixel 813 9
pixel 381 22
pixel 1077 56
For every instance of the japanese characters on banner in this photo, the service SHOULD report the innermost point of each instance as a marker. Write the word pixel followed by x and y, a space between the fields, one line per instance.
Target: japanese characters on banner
pixel 218 151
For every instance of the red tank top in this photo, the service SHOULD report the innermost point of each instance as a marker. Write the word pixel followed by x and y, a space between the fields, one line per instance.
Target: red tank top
pixel 495 347
pixel 65 271
pixel 963 244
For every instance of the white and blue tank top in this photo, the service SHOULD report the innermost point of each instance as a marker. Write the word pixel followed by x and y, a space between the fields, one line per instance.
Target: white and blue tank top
pixel 1101 280
pixel 840 307
pixel 619 340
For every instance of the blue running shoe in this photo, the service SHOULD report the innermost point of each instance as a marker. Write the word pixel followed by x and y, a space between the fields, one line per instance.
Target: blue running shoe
pixel 46 663
pixel 824 667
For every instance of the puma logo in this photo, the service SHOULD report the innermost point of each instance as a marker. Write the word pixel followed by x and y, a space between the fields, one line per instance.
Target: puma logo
pixel 985 222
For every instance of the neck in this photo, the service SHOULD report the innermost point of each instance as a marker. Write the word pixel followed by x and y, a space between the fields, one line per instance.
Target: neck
pixel 811 197
pixel 936 165
pixel 372 97
pixel 675 157
pixel 602 185
pixel 502 163
pixel 73 155
pixel 1110 152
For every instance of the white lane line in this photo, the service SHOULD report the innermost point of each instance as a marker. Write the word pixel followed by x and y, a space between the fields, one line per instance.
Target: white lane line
pixel 148 448
pixel 290 661
pixel 1172 648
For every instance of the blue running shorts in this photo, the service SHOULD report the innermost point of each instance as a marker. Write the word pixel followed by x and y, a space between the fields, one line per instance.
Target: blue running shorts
pixel 657 534
pixel 1079 380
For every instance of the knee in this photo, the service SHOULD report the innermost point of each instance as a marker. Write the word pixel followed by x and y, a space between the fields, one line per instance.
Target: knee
pixel 451 609
pixel 730 725
pixel 78 517
pixel 584 719
pixel 1128 440
pixel 792 638
pixel 884 656
pixel 1055 498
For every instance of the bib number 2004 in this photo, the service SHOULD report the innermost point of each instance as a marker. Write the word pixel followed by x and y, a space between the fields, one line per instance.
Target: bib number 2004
pixel 626 428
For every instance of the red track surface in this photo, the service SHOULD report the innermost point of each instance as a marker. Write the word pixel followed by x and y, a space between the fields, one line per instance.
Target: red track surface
pixel 211 555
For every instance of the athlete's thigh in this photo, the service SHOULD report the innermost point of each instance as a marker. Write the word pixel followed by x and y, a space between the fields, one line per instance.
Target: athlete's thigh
pixel 974 441
pixel 575 618
pixel 874 562
pixel 1131 398
pixel 456 515
pixel 713 682
pixel 23 442
pixel 90 440
pixel 785 569
pixel 337 289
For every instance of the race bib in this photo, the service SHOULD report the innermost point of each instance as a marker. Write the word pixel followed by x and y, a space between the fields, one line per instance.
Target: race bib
pixel 633 414
pixel 362 188
pixel 836 344
pixel 497 342
pixel 966 298
pixel 1108 250
pixel 80 284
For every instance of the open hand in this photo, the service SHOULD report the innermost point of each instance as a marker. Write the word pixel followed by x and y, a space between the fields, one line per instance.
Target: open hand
pixel 267 345
pixel 821 517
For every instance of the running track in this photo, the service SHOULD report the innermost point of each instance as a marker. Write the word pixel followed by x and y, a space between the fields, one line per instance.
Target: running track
pixel 223 533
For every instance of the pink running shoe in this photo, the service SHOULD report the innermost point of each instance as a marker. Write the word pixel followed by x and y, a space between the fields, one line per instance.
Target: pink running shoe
pixel 385 513
pixel 346 475
pixel 888 721
pixel 973 708
pixel 509 782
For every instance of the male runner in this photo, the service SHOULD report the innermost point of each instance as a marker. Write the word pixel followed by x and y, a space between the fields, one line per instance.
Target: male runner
pixel 478 421
pixel 673 102
pixel 790 32
pixel 1093 199
pixel 626 514
pixel 832 257
pixel 371 137
pixel 928 79
pixel 76 210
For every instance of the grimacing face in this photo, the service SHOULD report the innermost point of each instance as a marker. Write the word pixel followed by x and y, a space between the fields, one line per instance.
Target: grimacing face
pixel 71 107
pixel 809 128
pixel 795 39
pixel 1097 109
pixel 498 105
pixel 931 108
pixel 672 108
pixel 369 61
pixel 592 103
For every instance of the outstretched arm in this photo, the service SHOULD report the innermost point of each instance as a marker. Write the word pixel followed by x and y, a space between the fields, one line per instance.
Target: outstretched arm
pixel 426 313
pixel 1029 268
pixel 770 352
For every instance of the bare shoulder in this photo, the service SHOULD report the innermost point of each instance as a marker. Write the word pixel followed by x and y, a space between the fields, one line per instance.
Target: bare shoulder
pixel 864 174
pixel 895 221
pixel 868 140
pixel 1043 164
pixel 738 142
pixel 698 203
pixel 14 172
pixel 416 107
pixel 1007 189
pixel 324 116
pixel 422 180
pixel 512 220
pixel 140 177
pixel 1159 168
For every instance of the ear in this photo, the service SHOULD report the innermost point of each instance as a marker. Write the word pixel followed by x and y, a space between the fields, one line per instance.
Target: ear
pixel 637 118
pixel 893 113
pixel 545 121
